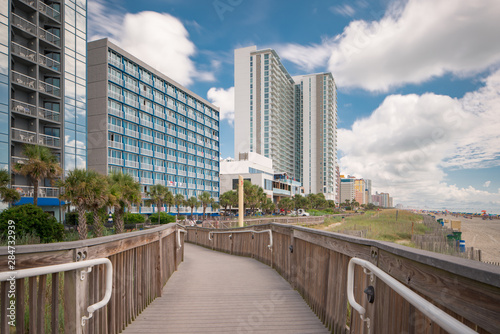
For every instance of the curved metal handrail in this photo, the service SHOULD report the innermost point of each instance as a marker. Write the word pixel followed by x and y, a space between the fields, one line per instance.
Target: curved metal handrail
pixel 179 237
pixel 444 320
pixel 270 246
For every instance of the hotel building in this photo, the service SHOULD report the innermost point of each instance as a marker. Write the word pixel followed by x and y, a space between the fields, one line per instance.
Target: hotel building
pixel 43 87
pixel 144 124
pixel 293 121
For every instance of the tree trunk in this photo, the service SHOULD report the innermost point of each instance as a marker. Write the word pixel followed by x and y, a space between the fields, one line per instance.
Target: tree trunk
pixel 192 210
pixel 97 228
pixel 119 220
pixel 158 206
pixel 35 192
pixel 204 209
pixel 82 223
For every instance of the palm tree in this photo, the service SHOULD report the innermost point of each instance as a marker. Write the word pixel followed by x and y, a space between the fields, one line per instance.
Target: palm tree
pixel 7 194
pixel 100 197
pixel 169 199
pixel 178 201
pixel 225 201
pixel 285 204
pixel 41 164
pixel 205 199
pixel 125 191
pixel 158 194
pixel 192 203
pixel 79 189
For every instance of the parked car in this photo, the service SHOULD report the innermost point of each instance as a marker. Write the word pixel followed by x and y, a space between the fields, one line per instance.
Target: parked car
pixel 303 213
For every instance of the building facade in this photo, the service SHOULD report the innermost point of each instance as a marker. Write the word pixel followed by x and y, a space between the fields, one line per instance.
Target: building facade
pixel 292 121
pixel 347 188
pixel 144 124
pixel 43 49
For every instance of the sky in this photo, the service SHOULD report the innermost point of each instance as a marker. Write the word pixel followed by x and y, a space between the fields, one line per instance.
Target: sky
pixel 418 80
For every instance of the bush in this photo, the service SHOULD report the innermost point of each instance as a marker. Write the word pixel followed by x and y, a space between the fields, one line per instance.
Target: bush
pixel 134 218
pixel 179 217
pixel 71 218
pixel 31 219
pixel 165 218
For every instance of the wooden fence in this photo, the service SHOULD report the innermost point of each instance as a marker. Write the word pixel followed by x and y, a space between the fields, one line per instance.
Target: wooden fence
pixel 315 263
pixel 142 262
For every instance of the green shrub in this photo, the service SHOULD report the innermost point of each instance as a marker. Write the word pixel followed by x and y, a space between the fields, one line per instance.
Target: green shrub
pixel 165 218
pixel 71 218
pixel 134 218
pixel 181 217
pixel 31 219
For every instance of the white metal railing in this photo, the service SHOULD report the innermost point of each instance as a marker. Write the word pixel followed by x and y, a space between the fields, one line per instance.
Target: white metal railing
pixel 162 182
pixel 132 133
pixel 49 140
pixel 115 144
pixel 49 62
pixel 444 320
pixel 24 108
pixel 131 148
pixel 181 172
pixel 132 102
pixel 18 21
pixel 146 166
pixel 49 37
pixel 159 113
pixel 171 171
pixel 181 160
pixel 181 123
pixel 160 169
pixel 130 163
pixel 171 145
pixel 49 11
pixel 115 128
pixel 115 79
pixel 181 148
pixel 160 155
pixel 270 246
pixel 146 137
pixel 115 95
pixel 144 122
pixel 115 112
pixel 42 191
pixel 159 127
pixel 116 63
pixel 160 142
pixel 23 80
pixel 179 237
pixel 48 88
pixel 116 161
pixel 24 52
pixel 132 87
pixel 146 180
pixel 132 118
pixel 24 273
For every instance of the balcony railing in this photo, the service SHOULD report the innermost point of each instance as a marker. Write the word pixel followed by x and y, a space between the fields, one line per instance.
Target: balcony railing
pixel 145 180
pixel 181 123
pixel 49 89
pixel 131 148
pixel 144 122
pixel 115 161
pixel 23 24
pixel 23 80
pixel 115 144
pixel 146 137
pixel 181 160
pixel 115 79
pixel 49 115
pixel 171 145
pixel 114 62
pixel 191 151
pixel 146 166
pixel 28 191
pixel 160 155
pixel 49 11
pixel 159 127
pixel 146 152
pixel 130 163
pixel 132 102
pixel 131 118
pixel 24 136
pixel 160 142
pixel 30 3
pixel 171 157
pixel 23 108
pixel 132 87
pixel 160 169
pixel 49 63
pixel 181 135
pixel 171 171
pixel 115 95
pixel 49 37
pixel 147 109
pixel 115 112
pixel 49 140
pixel 24 52
pixel 115 128
pixel 145 209
pixel 182 148
pixel 182 172
pixel 132 133
pixel 162 182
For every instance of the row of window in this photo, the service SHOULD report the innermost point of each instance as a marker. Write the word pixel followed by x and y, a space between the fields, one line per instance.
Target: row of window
pixel 182 158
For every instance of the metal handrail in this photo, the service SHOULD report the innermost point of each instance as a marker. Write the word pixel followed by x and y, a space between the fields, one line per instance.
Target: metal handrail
pixel 444 320
pixel 24 273
pixel 270 246
pixel 179 237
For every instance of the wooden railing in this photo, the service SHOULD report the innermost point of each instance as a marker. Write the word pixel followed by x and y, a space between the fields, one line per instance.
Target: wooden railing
pixel 142 263
pixel 316 263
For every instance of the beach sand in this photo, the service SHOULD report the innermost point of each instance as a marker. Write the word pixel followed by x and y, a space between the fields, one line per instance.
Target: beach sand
pixel 480 234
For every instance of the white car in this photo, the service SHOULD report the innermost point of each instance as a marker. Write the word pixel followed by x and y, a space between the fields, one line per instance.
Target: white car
pixel 302 212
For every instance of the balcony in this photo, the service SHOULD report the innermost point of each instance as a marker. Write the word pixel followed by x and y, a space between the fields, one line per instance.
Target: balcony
pixel 115 95
pixel 160 169
pixel 181 160
pixel 159 127
pixel 115 79
pixel 132 133
pixel 191 174
pixel 23 80
pixel 191 151
pixel 23 52
pixel 171 132
pixel 147 137
pixel 147 95
pixel 49 11
pixel 30 3
pixel 132 87
pixel 131 118
pixel 160 142
pixel 146 166
pixel 191 127
pixel 49 37
pixel 159 113
pixel 162 182
pixel 132 102
pixel 144 122
pixel 146 152
pixel 24 136
pixel 147 109
pixel 160 155
pixel 115 144
pixel 182 148
pixel 171 157
pixel 191 186
pixel 49 63
pixel 181 172
pixel 115 161
pixel 28 191
pixel 171 145
pixel 115 128
pixel 115 112
pixel 131 148
pixel 171 106
pixel 200 176
pixel 145 180
pixel 49 115
pixel 181 123
pixel 145 209
pixel 23 24
pixel 49 89
pixel 130 163
pixel 191 139
pixel 115 63
pixel 49 141
pixel 23 108
pixel 171 171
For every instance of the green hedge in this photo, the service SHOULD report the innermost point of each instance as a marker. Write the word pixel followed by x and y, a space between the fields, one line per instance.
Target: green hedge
pixel 165 218
pixel 28 219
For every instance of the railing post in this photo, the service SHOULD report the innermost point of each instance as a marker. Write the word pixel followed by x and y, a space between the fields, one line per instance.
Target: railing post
pixel 159 264
pixel 292 261
pixel 75 301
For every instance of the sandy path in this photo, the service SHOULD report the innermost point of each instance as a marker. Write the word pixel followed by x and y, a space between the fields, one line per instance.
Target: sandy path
pixel 481 234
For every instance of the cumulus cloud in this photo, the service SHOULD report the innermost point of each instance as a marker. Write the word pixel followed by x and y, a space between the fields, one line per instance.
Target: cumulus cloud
pixel 406 143
pixel 412 43
pixel 487 184
pixel 159 39
pixel 223 98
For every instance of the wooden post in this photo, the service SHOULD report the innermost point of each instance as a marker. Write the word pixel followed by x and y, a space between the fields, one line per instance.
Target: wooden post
pixel 75 302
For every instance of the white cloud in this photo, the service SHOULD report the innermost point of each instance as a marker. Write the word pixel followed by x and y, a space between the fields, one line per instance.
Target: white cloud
pixel 406 142
pixel 159 39
pixel 223 98
pixel 344 10
pixel 487 184
pixel 412 43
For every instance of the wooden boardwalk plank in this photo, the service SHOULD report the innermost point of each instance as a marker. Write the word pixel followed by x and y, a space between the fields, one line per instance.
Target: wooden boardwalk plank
pixel 214 292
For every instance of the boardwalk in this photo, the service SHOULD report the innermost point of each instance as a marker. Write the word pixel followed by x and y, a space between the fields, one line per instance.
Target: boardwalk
pixel 214 292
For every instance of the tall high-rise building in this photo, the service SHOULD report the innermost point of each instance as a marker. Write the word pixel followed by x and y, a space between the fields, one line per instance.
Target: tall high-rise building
pixel 293 121
pixel 43 91
pixel 347 188
pixel 145 124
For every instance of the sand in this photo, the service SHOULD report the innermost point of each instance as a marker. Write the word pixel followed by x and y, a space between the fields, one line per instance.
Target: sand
pixel 480 234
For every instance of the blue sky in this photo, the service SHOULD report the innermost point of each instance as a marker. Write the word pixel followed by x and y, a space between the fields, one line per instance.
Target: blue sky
pixel 418 80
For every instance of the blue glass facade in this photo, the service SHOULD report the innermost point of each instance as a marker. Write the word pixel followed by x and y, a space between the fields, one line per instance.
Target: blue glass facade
pixel 159 132
pixel 4 85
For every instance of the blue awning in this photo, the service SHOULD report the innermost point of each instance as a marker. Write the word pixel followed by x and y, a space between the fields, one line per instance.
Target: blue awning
pixel 42 201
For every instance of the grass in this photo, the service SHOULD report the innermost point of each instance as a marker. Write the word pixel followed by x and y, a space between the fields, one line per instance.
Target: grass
pixel 381 225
